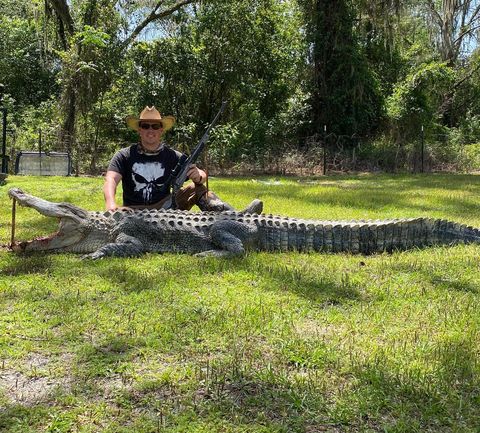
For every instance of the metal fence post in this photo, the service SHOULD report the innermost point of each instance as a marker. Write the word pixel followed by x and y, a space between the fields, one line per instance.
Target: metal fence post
pixel 422 149
pixel 4 131
pixel 324 150
pixel 40 150
pixel 4 141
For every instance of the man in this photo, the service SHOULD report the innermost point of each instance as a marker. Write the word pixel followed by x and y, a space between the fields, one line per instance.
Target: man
pixel 144 170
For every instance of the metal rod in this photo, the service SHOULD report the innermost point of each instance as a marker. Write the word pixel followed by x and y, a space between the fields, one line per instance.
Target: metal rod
pixel 14 210
pixel 4 141
pixel 324 150
pixel 40 150
pixel 423 149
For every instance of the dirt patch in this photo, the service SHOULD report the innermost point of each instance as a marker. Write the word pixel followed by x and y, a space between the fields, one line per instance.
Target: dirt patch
pixel 19 388
pixel 31 381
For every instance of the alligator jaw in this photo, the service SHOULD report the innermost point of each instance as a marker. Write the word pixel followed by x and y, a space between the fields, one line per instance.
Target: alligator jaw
pixel 71 217
pixel 55 241
pixel 47 208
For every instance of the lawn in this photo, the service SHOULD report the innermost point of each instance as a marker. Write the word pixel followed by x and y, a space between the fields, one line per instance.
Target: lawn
pixel 264 343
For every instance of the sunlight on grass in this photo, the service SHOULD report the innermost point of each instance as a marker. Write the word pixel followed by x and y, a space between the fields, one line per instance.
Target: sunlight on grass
pixel 265 343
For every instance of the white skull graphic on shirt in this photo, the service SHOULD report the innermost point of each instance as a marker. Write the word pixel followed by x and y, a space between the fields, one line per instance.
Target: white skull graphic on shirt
pixel 146 177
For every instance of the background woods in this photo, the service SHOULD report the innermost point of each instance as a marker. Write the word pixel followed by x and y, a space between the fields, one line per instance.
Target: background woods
pixel 359 80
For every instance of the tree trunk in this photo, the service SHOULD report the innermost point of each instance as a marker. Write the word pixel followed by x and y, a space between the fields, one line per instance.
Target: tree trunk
pixel 67 132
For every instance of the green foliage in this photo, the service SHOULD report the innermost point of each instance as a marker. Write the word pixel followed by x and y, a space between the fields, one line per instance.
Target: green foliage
pixel 40 120
pixel 287 68
pixel 28 76
pixel 92 37
pixel 344 92
pixel 463 143
pixel 415 104
pixel 16 8
pixel 89 60
pixel 419 94
pixel 469 129
pixel 469 157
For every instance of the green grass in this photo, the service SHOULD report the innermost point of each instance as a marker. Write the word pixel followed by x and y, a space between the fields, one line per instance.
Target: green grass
pixel 265 343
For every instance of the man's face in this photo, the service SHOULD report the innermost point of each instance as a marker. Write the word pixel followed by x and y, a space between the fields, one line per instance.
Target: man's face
pixel 150 134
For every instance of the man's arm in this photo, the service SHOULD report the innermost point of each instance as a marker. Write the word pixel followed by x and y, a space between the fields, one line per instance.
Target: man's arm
pixel 112 179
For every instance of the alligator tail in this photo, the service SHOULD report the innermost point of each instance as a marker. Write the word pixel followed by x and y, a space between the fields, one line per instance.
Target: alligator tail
pixel 367 237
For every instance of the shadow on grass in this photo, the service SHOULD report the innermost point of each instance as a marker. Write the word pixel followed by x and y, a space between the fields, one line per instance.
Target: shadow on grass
pixel 459 285
pixel 21 418
pixel 269 270
pixel 307 282
pixel 234 394
pixel 440 279
pixel 276 402
pixel 281 272
pixel 23 264
pixel 445 398
pixel 366 397
pixel 138 275
pixel 95 372
pixel 98 366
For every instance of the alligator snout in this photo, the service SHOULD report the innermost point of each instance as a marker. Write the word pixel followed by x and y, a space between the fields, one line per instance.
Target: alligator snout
pixel 15 193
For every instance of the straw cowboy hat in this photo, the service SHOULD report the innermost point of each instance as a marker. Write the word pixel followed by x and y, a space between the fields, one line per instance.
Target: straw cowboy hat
pixel 151 115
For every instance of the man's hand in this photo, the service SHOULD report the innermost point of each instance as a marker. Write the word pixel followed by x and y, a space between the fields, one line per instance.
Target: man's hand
pixel 196 175
pixel 111 206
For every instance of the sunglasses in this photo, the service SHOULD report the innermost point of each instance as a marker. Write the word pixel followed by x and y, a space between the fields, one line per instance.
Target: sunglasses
pixel 155 126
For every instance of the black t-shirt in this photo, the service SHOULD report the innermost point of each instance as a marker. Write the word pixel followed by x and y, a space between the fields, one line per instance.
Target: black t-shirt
pixel 144 176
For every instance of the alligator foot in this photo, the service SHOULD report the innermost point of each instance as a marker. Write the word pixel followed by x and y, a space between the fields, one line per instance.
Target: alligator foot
pixel 93 256
pixel 217 253
pixel 125 246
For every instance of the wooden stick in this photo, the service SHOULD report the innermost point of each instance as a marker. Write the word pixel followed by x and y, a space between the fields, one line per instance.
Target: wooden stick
pixel 14 209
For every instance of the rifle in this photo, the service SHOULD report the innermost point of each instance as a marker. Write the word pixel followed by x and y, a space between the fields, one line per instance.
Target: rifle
pixel 178 175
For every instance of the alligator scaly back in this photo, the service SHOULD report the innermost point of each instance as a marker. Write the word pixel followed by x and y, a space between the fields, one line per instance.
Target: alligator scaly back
pixel 133 232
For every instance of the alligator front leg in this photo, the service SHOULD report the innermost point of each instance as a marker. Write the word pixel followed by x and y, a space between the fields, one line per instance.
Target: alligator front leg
pixel 231 237
pixel 124 246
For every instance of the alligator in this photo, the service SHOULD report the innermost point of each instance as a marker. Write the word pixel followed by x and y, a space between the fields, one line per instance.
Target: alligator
pixel 127 232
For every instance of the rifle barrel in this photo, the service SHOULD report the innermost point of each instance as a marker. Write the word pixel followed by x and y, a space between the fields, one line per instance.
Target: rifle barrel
pixel 179 173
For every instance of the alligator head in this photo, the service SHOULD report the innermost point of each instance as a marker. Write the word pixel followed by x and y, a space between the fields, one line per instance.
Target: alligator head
pixel 75 225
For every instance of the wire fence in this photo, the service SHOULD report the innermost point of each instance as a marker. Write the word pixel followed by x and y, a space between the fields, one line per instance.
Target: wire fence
pixel 328 153
pixel 321 154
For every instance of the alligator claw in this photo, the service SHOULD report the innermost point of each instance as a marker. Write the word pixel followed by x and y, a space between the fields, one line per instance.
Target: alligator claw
pixel 216 253
pixel 93 256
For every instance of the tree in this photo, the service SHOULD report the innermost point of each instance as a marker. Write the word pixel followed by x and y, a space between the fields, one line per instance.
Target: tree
pixel 344 92
pixel 201 62
pixel 92 48
pixel 455 24
pixel 25 72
